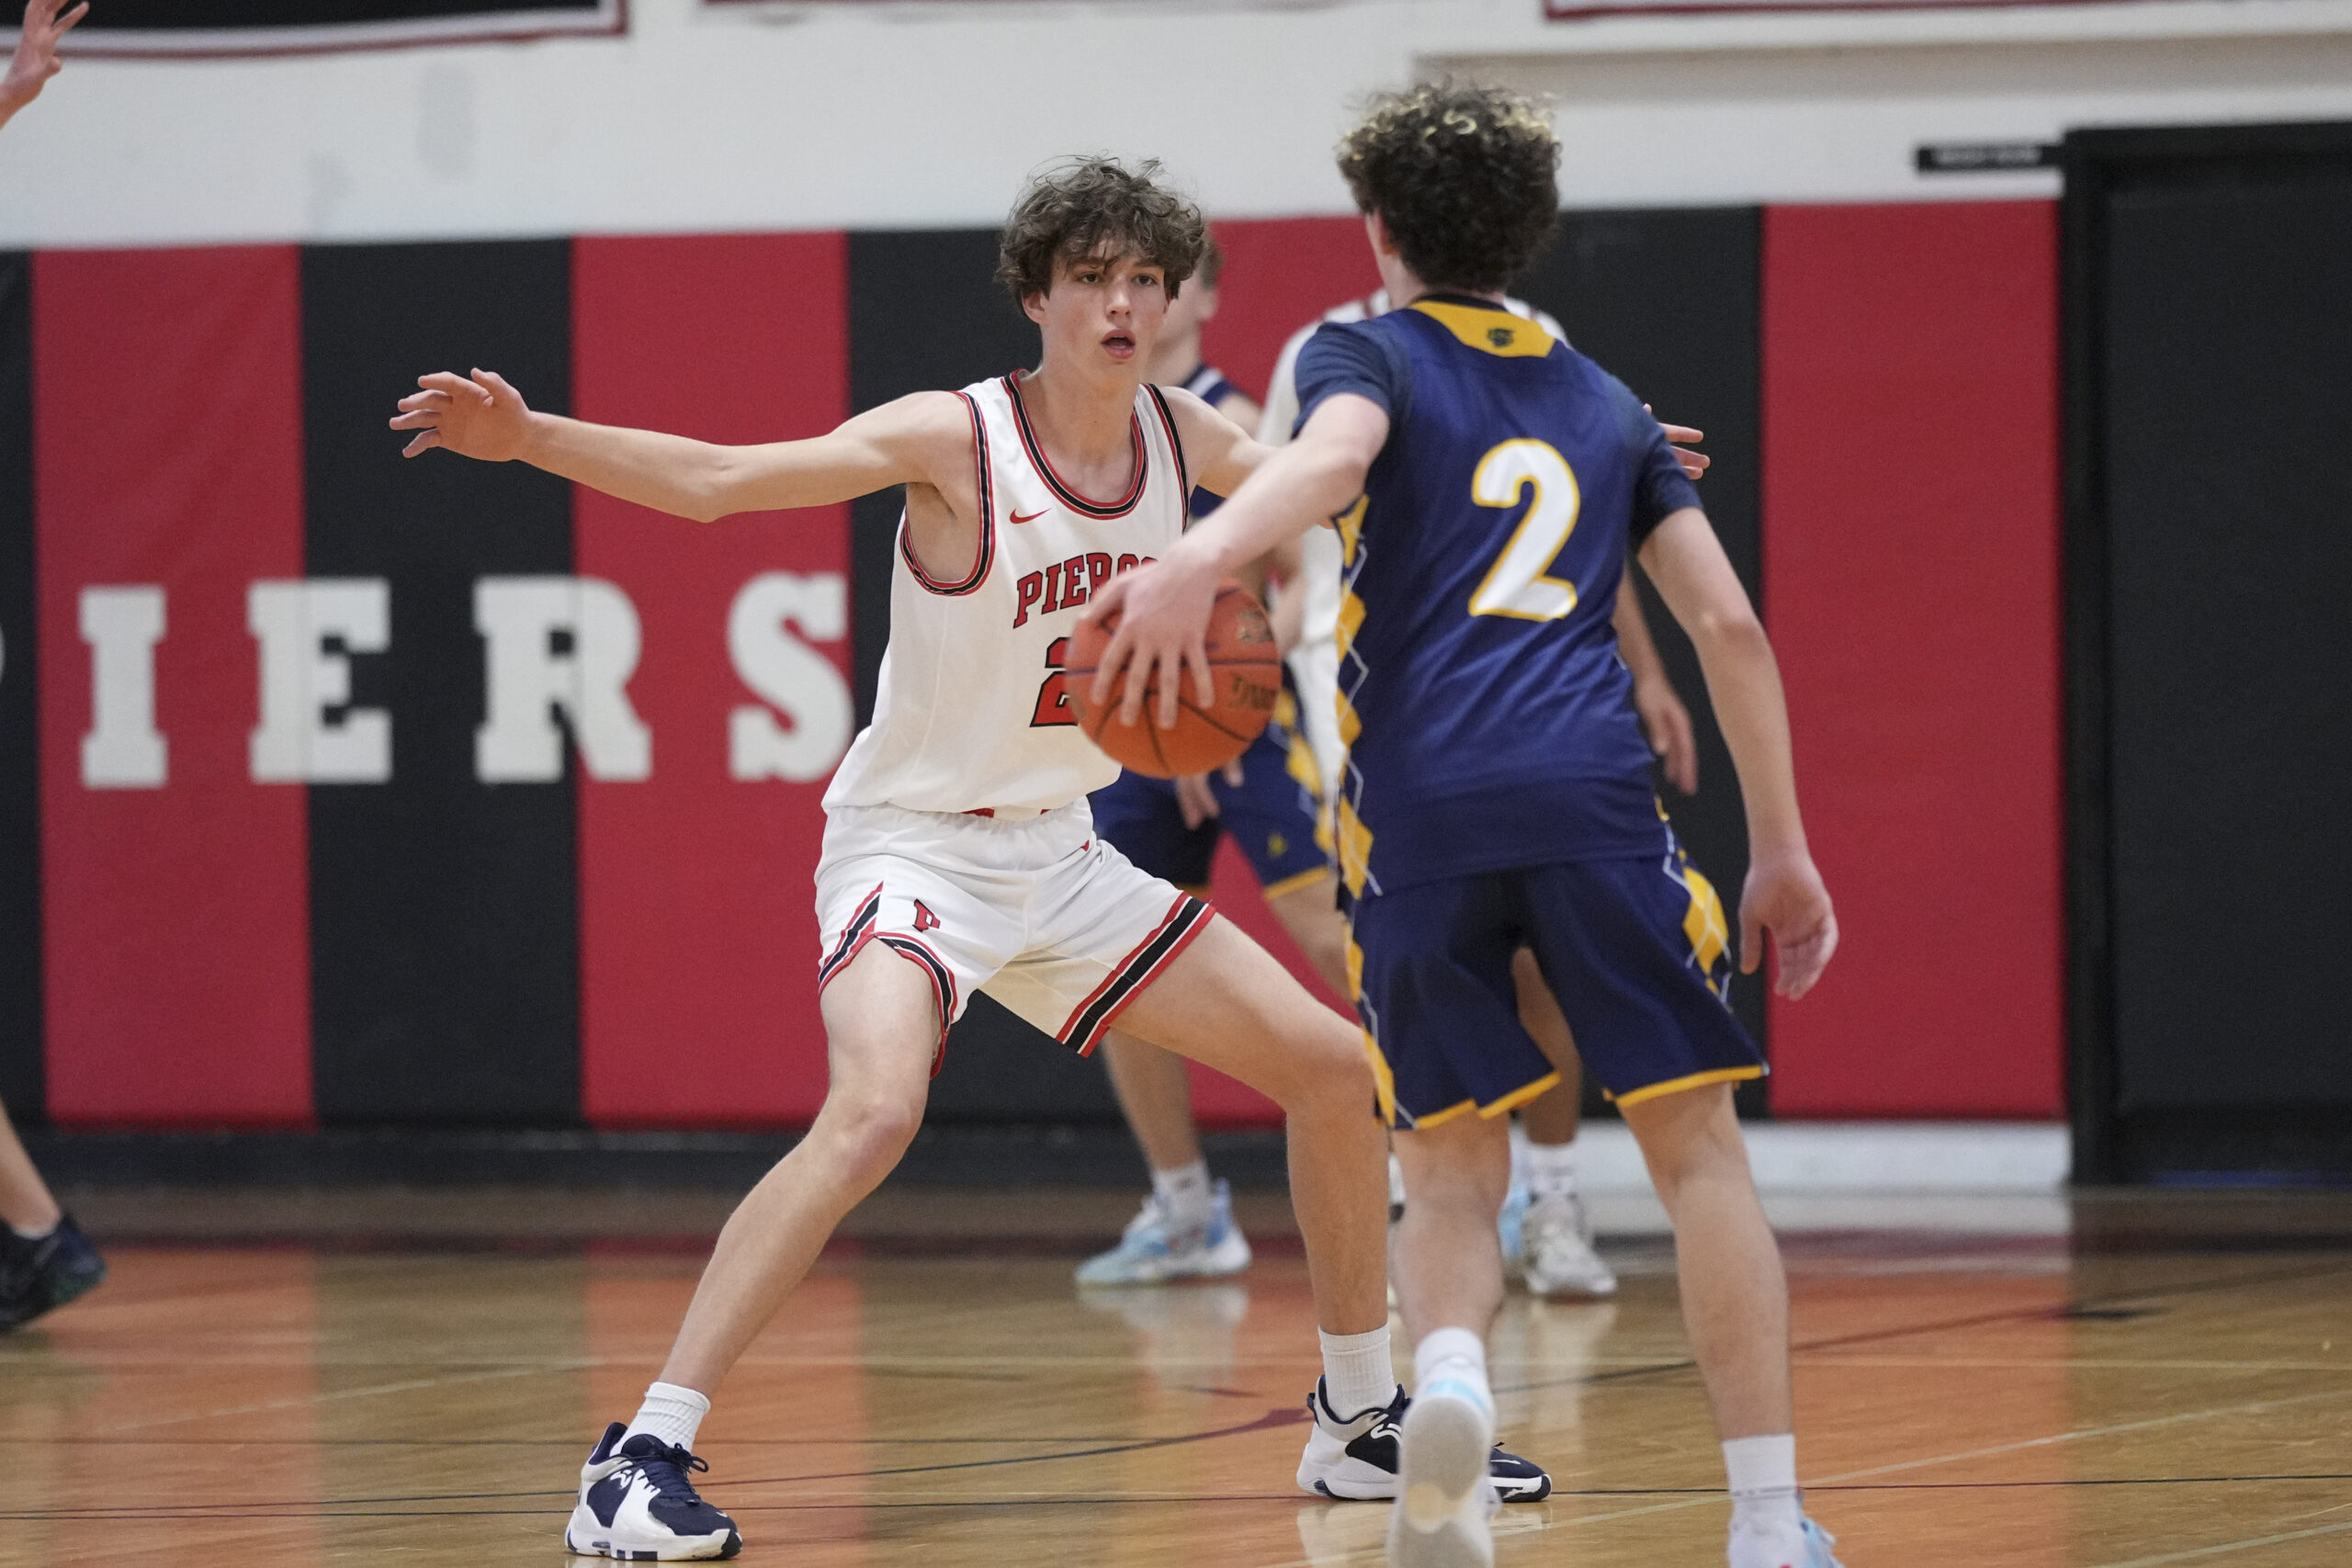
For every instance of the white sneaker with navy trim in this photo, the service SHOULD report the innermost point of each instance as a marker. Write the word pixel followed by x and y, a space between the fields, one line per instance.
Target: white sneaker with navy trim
pixel 1445 1502
pixel 638 1502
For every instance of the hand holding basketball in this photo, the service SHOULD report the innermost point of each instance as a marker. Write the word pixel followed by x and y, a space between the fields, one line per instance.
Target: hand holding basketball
pixel 1238 651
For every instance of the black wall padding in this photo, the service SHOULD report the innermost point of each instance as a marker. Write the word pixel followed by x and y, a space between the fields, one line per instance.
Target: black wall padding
pixel 1669 302
pixel 2228 332
pixel 444 912
pixel 965 330
pixel 21 1077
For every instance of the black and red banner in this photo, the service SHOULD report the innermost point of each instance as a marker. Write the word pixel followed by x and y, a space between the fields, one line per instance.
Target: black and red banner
pixel 339 789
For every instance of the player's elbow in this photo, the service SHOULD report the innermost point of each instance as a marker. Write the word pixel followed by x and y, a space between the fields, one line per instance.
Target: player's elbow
pixel 1730 631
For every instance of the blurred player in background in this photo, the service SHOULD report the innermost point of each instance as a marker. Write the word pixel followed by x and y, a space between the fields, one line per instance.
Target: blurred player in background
pixel 1490 483
pixel 1267 801
pixel 45 1260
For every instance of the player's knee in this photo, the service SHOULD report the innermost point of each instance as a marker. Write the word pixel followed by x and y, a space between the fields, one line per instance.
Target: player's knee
pixel 873 1129
pixel 1324 1064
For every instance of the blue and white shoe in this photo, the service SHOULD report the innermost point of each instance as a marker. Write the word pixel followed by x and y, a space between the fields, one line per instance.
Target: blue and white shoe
pixel 1355 1460
pixel 1150 1252
pixel 1445 1502
pixel 1806 1547
pixel 638 1502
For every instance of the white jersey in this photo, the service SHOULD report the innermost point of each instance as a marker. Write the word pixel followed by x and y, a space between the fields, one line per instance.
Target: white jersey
pixel 1314 662
pixel 970 714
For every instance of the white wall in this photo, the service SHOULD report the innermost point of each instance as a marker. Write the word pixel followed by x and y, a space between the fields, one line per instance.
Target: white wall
pixel 809 116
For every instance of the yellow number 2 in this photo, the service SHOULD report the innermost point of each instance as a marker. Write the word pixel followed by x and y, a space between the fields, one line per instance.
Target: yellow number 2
pixel 1517 584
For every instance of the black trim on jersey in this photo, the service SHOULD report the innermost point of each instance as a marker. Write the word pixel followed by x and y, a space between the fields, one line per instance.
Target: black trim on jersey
pixel 987 517
pixel 1175 443
pixel 852 937
pixel 1087 1026
pixel 942 981
pixel 1062 492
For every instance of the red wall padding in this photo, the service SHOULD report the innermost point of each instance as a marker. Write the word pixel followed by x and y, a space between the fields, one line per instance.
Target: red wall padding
pixel 1280 273
pixel 699 938
pixel 1911 571
pixel 169 452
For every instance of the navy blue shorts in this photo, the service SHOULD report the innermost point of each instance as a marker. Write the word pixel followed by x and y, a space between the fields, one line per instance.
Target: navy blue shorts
pixel 1271 814
pixel 1636 951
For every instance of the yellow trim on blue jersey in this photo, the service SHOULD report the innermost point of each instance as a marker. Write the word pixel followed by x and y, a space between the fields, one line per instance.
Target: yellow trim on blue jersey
pixel 1705 923
pixel 1355 968
pixel 1292 884
pixel 1355 848
pixel 1490 329
pixel 1676 1086
pixel 1439 1118
pixel 1384 1082
pixel 1351 527
pixel 1521 1096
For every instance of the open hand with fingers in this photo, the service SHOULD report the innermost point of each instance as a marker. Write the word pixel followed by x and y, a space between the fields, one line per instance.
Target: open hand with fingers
pixel 477 417
pixel 1785 895
pixel 36 61
pixel 1683 438
pixel 1159 612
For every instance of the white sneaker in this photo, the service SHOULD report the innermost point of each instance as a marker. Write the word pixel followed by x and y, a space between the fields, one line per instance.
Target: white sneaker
pixel 638 1500
pixel 1443 1517
pixel 1555 1250
pixel 1807 1546
pixel 1150 1252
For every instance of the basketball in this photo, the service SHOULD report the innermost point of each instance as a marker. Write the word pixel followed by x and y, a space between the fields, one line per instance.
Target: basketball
pixel 1249 670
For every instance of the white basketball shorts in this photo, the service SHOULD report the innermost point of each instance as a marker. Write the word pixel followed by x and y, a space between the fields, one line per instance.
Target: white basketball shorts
pixel 1038 912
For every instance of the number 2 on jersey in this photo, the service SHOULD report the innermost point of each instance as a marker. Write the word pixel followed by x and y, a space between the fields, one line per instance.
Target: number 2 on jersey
pixel 1517 584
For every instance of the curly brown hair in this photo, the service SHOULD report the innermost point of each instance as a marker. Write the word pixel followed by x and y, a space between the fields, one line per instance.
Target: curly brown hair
pixel 1464 177
pixel 1081 208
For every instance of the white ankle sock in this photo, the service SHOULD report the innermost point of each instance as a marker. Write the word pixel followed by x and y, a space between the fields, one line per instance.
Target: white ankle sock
pixel 1357 1373
pixel 1551 1171
pixel 1183 1195
pixel 1450 1353
pixel 1763 1476
pixel 41 1234
pixel 672 1412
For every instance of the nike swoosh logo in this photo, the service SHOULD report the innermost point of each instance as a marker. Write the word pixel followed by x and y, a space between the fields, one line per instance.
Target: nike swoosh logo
pixel 1029 517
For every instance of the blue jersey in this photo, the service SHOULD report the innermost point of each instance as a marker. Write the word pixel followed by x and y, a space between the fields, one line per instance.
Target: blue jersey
pixel 1490 721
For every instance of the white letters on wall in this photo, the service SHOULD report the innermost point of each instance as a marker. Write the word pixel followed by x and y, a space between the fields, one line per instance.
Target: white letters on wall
pixel 527 680
pixel 801 682
pixel 296 742
pixel 123 749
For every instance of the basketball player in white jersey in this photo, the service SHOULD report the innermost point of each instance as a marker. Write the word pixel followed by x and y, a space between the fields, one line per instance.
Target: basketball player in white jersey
pixel 959 853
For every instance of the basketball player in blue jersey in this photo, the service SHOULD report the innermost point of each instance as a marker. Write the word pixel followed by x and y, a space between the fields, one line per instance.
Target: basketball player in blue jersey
pixel 1488 484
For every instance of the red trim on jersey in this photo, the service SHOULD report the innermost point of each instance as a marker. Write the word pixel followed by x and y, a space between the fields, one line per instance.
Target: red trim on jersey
pixel 1062 492
pixel 1175 445
pixel 987 517
pixel 1187 918
pixel 854 935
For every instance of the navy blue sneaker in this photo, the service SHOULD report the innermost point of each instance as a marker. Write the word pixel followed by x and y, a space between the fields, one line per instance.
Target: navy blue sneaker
pixel 638 1502
pixel 42 1276
pixel 1355 1460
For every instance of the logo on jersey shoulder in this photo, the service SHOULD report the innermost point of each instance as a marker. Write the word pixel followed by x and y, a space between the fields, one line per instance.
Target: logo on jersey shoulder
pixel 1501 337
pixel 1029 517
pixel 925 919
pixel 1066 584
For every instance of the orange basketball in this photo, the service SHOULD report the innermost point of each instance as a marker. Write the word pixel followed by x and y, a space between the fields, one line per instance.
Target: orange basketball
pixel 1249 670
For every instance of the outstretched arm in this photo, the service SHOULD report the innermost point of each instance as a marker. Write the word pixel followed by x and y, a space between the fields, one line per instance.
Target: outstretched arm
pixel 1784 894
pixel 899 443
pixel 1163 608
pixel 36 61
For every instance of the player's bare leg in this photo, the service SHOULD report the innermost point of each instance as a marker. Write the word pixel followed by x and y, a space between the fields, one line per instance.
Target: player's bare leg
pixel 1450 1284
pixel 1736 1313
pixel 636 1493
pixel 1547 1231
pixel 26 1202
pixel 1224 1002
pixel 1156 1095
pixel 1310 915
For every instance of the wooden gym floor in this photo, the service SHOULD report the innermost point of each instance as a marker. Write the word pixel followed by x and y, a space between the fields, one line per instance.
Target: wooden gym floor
pixel 413 1379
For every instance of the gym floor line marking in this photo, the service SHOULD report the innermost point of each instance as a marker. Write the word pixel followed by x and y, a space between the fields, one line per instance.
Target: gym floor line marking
pixel 2228 1547
pixel 405 1387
